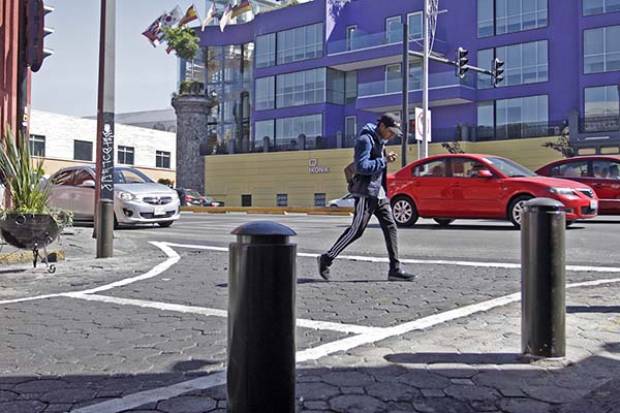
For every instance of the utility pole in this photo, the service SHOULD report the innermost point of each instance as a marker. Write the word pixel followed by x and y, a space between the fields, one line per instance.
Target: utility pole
pixel 405 109
pixel 104 190
pixel 425 72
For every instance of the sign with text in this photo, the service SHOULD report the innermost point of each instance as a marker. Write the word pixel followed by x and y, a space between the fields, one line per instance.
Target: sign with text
pixel 314 168
pixel 107 160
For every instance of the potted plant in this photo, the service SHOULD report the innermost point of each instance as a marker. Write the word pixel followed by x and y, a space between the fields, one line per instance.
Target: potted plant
pixel 28 223
pixel 184 41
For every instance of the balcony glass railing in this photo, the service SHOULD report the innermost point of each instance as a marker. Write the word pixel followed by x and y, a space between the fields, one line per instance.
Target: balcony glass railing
pixel 606 123
pixel 435 81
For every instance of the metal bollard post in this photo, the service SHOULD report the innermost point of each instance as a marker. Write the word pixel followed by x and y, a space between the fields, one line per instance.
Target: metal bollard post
pixel 261 319
pixel 543 278
pixel 105 228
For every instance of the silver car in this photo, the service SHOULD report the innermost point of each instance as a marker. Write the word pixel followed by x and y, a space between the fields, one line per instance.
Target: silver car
pixel 137 199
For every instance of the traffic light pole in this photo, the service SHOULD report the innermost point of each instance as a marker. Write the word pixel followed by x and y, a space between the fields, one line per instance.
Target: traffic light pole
pixel 405 108
pixel 425 73
pixel 104 192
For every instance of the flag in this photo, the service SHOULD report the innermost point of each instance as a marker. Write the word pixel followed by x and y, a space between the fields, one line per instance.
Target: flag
pixel 241 8
pixel 190 15
pixel 170 19
pixel 209 16
pixel 226 17
pixel 332 11
pixel 152 32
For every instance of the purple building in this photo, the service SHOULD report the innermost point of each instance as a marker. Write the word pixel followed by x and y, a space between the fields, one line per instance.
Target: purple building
pixel 311 75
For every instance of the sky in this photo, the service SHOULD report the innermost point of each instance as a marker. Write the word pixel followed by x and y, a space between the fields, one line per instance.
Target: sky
pixel 145 76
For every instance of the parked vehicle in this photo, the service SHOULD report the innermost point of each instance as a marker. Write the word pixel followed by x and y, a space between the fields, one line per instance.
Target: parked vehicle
pixel 601 172
pixel 137 199
pixel 467 186
pixel 190 197
pixel 346 201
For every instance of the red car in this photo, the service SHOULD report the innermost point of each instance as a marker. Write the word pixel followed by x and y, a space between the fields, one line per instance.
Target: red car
pixel 466 186
pixel 601 172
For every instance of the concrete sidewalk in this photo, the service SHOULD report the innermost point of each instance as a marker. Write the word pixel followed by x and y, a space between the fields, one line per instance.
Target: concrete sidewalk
pixel 471 364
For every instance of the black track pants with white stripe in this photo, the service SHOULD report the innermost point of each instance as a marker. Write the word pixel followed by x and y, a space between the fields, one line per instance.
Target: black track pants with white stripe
pixel 365 208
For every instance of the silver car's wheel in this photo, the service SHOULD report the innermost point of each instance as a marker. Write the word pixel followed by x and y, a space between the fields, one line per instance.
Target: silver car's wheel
pixel 405 213
pixel 517 208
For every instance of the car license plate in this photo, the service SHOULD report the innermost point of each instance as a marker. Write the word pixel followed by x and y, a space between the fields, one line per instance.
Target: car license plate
pixel 159 211
pixel 593 204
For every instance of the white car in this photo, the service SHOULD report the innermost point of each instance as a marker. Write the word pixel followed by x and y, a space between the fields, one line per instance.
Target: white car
pixel 137 199
pixel 346 201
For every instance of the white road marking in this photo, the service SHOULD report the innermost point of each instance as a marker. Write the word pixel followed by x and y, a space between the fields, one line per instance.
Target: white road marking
pixel 315 325
pixel 162 393
pixel 459 263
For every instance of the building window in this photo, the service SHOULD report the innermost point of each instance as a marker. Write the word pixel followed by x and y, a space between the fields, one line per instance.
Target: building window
pixel 37 145
pixel 320 200
pixel 289 130
pixel 601 49
pixel 521 117
pixel 350 86
pixel 591 7
pixel 125 155
pixel 486 18
pixel 82 151
pixel 602 108
pixel 246 200
pixel 265 93
pixel 394 82
pixel 335 87
pixel 350 37
pixel 350 129
pixel 300 43
pixel 485 61
pixel 264 129
pixel 509 16
pixel 266 50
pixel 486 121
pixel 162 159
pixel 416 25
pixel 282 200
pixel 524 63
pixel 393 29
pixel 301 88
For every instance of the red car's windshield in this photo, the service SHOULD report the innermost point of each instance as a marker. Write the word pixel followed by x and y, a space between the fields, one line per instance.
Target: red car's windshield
pixel 509 168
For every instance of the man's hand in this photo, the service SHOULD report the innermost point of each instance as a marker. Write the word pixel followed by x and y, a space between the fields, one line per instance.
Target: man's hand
pixel 391 157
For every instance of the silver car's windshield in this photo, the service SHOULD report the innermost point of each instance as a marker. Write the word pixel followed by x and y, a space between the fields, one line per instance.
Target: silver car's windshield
pixel 510 168
pixel 130 176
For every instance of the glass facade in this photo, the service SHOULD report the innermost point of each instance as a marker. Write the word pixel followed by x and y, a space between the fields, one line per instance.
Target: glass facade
pixel 416 25
pixel 394 82
pixel 591 7
pixel 300 88
pixel 393 29
pixel 288 130
pixel 265 93
pixel 229 76
pixel 521 117
pixel 264 129
pixel 266 50
pixel 524 63
pixel 601 49
pixel 300 43
pixel 601 108
pixel 497 17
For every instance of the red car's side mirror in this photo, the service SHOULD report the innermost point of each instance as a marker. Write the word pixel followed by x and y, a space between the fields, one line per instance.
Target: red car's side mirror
pixel 484 173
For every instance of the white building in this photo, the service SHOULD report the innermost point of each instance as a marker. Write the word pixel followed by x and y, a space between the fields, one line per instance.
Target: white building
pixel 65 141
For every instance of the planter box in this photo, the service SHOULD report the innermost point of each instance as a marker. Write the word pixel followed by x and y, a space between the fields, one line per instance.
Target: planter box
pixel 29 231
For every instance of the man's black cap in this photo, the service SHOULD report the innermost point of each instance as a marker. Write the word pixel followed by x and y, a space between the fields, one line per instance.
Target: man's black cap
pixel 391 123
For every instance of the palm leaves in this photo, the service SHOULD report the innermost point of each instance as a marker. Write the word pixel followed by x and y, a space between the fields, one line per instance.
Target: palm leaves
pixel 23 178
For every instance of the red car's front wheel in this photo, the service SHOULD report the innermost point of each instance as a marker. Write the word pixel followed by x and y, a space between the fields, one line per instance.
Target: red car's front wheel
pixel 517 208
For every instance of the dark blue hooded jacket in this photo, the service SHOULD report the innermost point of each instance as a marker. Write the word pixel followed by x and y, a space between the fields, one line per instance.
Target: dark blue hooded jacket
pixel 370 164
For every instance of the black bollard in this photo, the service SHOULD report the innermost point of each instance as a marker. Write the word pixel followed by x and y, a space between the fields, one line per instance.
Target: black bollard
pixel 105 229
pixel 261 319
pixel 543 278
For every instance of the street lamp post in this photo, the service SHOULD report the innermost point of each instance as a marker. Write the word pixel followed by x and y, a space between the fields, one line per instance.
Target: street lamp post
pixel 104 191
pixel 425 72
pixel 405 108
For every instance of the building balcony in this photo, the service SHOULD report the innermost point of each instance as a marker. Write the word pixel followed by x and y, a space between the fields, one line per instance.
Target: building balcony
pixel 365 50
pixel 445 89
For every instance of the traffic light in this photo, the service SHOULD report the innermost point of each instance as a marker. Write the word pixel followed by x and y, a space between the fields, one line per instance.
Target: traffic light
pixel 36 32
pixel 498 71
pixel 461 62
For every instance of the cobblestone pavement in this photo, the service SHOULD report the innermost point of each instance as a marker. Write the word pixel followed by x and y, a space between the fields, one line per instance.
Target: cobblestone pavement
pixel 146 332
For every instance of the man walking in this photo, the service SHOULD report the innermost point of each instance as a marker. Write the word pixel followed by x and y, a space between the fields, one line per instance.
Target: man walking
pixel 369 188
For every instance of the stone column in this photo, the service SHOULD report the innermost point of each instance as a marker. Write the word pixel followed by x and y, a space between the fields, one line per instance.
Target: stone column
pixel 192 130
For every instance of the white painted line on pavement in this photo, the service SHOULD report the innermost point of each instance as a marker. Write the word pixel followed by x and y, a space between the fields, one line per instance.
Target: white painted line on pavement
pixel 25 299
pixel 459 263
pixel 315 325
pixel 162 393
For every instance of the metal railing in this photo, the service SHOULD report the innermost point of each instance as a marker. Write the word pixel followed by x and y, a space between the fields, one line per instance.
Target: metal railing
pixel 439 80
pixel 599 124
